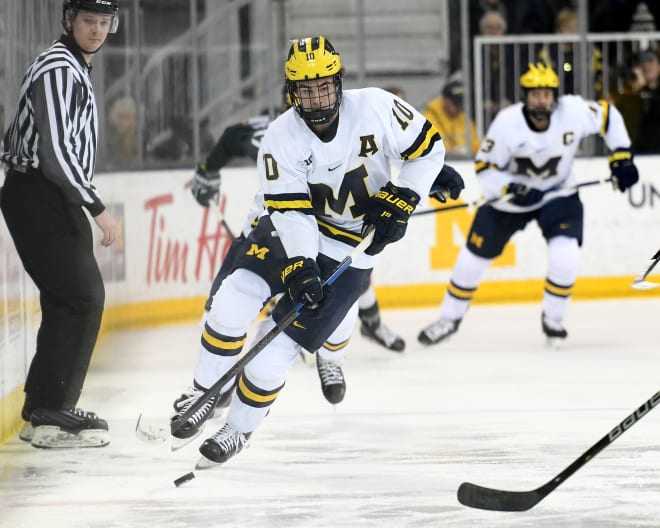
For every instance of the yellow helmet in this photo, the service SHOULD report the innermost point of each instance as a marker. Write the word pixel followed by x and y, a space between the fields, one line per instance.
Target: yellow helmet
pixel 539 76
pixel 313 58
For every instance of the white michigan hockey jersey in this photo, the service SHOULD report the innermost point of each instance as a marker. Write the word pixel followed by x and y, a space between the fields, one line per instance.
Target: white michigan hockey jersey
pixel 513 152
pixel 316 192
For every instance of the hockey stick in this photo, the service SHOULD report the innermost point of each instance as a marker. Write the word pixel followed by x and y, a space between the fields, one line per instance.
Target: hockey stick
pixel 500 199
pixel 265 340
pixel 220 217
pixel 484 498
pixel 640 282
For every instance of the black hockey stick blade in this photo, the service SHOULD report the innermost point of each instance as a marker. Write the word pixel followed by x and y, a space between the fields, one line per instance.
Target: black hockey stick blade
pixel 640 282
pixel 484 498
pixel 266 339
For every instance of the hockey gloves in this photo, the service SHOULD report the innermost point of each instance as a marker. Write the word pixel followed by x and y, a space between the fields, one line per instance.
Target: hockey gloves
pixel 205 185
pixel 300 277
pixel 388 212
pixel 449 181
pixel 522 195
pixel 623 169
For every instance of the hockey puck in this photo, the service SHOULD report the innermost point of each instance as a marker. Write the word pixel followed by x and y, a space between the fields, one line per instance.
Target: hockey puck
pixel 184 478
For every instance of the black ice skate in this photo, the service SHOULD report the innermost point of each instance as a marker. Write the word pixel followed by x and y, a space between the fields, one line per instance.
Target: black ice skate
pixel 438 331
pixel 333 384
pixel 223 445
pixel 555 333
pixel 195 424
pixel 67 428
pixel 383 335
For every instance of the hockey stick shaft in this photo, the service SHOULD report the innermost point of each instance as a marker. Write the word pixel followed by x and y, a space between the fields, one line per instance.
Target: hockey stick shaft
pixel 220 216
pixel 268 338
pixel 484 498
pixel 481 202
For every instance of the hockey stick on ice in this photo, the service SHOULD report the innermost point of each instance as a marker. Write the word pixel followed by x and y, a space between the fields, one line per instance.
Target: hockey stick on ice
pixel 640 282
pixel 265 340
pixel 500 199
pixel 484 498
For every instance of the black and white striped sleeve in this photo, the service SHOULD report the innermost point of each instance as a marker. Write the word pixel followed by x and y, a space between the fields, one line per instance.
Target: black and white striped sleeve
pixel 67 140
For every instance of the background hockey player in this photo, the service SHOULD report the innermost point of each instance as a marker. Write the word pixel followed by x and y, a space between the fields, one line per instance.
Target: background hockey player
pixel 528 152
pixel 324 167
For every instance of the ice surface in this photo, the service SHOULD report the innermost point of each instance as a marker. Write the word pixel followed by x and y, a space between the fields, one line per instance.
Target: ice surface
pixel 492 406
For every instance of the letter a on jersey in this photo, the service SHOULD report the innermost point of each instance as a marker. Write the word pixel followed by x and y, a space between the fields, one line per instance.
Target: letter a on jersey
pixel 368 146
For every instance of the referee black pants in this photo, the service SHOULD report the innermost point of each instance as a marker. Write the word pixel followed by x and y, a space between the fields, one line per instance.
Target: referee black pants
pixel 54 241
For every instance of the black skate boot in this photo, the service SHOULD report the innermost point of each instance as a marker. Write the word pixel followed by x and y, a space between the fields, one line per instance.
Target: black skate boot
pixel 383 335
pixel 195 424
pixel 555 333
pixel 67 428
pixel 438 331
pixel 333 384
pixel 223 445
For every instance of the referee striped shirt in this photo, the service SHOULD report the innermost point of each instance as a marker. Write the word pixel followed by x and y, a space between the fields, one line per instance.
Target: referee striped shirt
pixel 56 124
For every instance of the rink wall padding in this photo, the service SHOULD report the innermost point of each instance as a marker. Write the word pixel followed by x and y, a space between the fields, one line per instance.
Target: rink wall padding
pixel 169 248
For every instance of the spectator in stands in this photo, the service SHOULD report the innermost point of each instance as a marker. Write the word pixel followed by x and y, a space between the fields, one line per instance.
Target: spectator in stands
pixel 122 136
pixel 565 57
pixel 647 139
pixel 446 114
pixel 498 59
pixel 612 16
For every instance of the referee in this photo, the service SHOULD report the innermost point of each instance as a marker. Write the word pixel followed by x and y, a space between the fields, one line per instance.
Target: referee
pixel 49 152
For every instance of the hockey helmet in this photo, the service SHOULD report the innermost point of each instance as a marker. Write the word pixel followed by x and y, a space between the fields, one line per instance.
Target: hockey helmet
pixel 309 59
pixel 104 7
pixel 539 76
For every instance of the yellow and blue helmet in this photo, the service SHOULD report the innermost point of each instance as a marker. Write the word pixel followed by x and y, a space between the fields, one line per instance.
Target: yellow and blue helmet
pixel 308 59
pixel 539 76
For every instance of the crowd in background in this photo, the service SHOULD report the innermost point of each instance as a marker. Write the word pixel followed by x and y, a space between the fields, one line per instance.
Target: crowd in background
pixel 634 89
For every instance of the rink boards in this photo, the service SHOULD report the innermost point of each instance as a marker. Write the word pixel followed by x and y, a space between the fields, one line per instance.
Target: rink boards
pixel 170 248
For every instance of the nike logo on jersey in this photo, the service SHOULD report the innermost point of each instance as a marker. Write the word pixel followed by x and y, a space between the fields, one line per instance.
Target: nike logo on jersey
pixel 333 168
pixel 298 325
pixel 564 226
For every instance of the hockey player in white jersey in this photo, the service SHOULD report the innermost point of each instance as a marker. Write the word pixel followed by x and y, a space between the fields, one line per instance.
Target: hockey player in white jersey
pixel 324 169
pixel 528 152
pixel 243 140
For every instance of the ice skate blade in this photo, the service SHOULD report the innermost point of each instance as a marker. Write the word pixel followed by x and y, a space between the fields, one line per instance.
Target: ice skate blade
pixel 178 443
pixel 52 437
pixel 205 463
pixel 554 343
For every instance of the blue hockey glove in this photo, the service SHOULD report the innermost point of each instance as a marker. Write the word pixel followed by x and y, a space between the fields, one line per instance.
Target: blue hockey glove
pixel 623 169
pixel 522 195
pixel 388 211
pixel 449 181
pixel 301 279
pixel 205 185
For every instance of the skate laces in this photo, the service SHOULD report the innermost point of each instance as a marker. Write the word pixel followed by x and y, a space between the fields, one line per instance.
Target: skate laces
pixel 229 439
pixel 552 325
pixel 87 415
pixel 441 328
pixel 330 371
pixel 384 333
pixel 190 397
